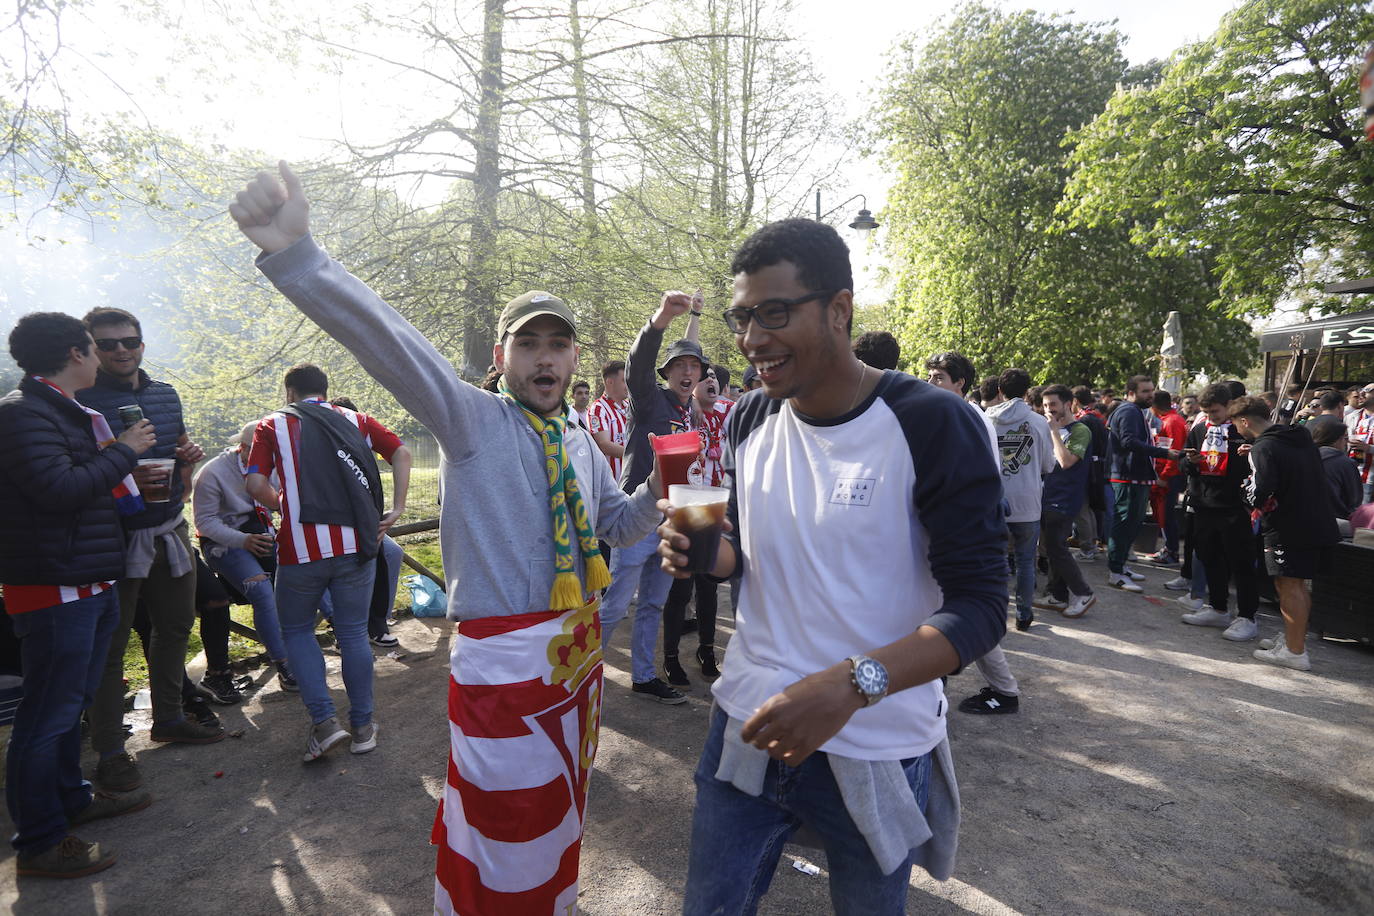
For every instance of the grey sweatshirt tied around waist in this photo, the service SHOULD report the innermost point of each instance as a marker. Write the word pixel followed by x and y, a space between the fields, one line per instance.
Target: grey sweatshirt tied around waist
pixel 495 527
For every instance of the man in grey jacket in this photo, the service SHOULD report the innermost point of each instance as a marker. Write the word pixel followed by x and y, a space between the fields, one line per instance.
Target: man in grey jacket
pixel 506 547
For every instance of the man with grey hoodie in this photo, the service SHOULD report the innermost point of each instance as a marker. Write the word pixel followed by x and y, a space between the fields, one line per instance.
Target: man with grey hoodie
pixel 520 554
pixel 1027 457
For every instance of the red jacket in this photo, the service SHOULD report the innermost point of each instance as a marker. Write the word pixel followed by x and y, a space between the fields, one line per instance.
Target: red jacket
pixel 1175 429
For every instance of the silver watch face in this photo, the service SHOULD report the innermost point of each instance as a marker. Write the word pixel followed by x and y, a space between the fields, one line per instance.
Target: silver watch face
pixel 871 677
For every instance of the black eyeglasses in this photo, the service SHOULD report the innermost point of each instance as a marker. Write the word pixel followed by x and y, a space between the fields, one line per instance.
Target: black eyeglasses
pixel 110 344
pixel 771 313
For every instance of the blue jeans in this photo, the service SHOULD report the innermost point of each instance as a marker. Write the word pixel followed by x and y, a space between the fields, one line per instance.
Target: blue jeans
pixel 636 568
pixel 63 651
pixel 737 839
pixel 1024 536
pixel 1131 499
pixel 238 566
pixel 299 587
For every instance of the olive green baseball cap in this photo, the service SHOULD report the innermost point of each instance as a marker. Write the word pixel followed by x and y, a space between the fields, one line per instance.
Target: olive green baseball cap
pixel 522 309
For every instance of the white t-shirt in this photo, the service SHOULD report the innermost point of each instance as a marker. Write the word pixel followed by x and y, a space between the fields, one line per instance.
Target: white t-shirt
pixel 834 521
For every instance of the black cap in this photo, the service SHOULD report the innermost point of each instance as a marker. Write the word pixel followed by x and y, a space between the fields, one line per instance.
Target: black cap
pixel 751 375
pixel 679 348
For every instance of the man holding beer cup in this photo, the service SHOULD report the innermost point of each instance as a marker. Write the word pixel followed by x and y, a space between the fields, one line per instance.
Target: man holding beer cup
pixel 864 513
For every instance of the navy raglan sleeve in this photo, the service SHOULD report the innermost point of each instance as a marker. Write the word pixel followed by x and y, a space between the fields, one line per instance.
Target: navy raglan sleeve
pixel 958 499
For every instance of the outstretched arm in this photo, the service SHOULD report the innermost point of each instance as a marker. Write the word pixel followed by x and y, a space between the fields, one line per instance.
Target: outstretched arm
pixel 274 215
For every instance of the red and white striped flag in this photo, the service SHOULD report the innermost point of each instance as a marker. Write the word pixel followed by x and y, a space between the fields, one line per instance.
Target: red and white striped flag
pixel 524 710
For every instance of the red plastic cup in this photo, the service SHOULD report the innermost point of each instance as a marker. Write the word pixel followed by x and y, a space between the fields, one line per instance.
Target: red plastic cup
pixel 676 454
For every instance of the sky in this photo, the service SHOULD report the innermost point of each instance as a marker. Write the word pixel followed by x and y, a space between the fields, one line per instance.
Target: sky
pixel 291 110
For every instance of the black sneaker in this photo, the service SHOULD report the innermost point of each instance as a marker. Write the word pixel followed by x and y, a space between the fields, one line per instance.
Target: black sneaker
pixel 676 676
pixel 989 702
pixel 1024 624
pixel 196 708
pixel 218 687
pixel 655 689
pixel 706 657
pixel 285 680
pixel 386 641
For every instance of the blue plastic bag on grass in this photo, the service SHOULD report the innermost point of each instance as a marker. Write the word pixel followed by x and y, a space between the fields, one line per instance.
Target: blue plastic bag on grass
pixel 426 598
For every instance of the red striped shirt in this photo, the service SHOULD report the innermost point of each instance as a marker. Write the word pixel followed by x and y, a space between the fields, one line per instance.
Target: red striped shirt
pixel 612 418
pixel 1362 430
pixel 715 419
pixel 276 446
pixel 20 599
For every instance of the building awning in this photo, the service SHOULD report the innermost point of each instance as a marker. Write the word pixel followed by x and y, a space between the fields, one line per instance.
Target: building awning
pixel 1356 330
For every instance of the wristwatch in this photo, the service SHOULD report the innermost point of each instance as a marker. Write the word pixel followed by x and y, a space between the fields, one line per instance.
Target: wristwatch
pixel 869 678
pixel 695 312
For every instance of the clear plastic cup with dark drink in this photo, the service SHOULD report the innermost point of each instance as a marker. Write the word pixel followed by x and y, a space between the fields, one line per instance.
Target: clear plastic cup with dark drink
pixel 130 414
pixel 699 514
pixel 159 489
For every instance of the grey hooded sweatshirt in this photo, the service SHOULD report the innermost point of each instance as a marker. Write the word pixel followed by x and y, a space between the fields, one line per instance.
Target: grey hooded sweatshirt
pixel 495 527
pixel 1023 436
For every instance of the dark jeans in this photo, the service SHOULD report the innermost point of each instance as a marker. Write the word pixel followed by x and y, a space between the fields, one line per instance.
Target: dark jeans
pixel 737 839
pixel 64 650
pixel 1226 545
pixel 172 610
pixel 1130 500
pixel 675 610
pixel 1065 574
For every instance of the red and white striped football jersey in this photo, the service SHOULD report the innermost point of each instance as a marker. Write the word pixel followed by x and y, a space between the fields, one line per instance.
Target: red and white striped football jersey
pixel 612 418
pixel 276 446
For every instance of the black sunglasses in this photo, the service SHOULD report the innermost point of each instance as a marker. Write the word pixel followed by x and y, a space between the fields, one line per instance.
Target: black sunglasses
pixel 771 313
pixel 110 344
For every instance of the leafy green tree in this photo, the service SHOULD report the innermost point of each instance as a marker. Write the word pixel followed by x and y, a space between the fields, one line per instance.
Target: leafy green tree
pixel 1247 147
pixel 974 120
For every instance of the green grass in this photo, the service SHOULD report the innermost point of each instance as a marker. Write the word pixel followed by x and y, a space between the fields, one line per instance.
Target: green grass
pixel 426 550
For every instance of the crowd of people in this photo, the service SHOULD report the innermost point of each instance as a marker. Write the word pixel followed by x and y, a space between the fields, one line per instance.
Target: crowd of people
pixel 828 722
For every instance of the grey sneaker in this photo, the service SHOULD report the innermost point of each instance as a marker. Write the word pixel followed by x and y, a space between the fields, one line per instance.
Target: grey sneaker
pixel 71 858
pixel 364 739
pixel 323 736
pixel 1241 629
pixel 1178 584
pixel 1280 655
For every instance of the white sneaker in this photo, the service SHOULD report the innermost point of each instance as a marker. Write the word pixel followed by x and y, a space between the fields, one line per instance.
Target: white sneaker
pixel 1087 556
pixel 1208 617
pixel 1117 580
pixel 1280 655
pixel 1178 584
pixel 322 737
pixel 1191 603
pixel 1132 574
pixel 1079 605
pixel 1050 603
pixel 1241 630
pixel 364 739
pixel 1269 642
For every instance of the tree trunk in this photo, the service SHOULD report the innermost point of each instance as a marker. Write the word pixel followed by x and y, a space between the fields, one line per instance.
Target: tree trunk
pixel 479 292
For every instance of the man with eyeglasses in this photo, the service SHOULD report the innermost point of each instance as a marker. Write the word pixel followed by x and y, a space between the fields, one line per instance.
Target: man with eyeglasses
pixel 1361 425
pixel 161 566
pixel 866 522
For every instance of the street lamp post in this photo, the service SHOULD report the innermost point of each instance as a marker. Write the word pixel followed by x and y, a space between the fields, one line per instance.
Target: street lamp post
pixel 863 221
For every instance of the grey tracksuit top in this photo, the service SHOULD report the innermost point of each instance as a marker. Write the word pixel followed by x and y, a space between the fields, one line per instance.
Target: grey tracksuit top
pixel 495 527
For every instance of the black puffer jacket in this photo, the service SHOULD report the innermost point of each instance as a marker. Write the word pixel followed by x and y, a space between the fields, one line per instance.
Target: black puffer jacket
pixel 1289 486
pixel 58 521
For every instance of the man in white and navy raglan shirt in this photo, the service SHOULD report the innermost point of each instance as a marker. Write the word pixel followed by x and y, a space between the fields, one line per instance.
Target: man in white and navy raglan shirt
pixel 867 516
